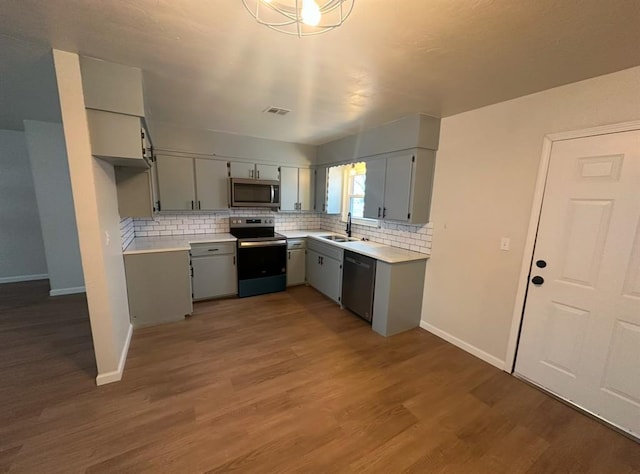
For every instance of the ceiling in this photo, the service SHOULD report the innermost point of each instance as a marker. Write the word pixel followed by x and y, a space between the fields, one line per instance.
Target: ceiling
pixel 209 65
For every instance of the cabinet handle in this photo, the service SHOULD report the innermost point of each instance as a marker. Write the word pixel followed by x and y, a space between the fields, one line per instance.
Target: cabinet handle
pixel 234 259
pixel 318 260
pixel 384 212
pixel 379 213
pixel 258 174
pixel 192 205
pixel 250 173
pixel 323 207
pixel 199 205
pixel 289 255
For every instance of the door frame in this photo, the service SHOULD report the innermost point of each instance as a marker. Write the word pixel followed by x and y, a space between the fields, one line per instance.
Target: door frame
pixel 534 219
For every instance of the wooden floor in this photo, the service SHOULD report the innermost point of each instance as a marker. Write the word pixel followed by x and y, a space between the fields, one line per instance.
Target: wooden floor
pixel 278 383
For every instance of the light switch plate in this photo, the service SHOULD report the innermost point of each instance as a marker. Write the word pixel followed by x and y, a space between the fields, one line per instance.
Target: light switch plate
pixel 505 243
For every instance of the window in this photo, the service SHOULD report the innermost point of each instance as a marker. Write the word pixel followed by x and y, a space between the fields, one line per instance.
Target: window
pixel 355 178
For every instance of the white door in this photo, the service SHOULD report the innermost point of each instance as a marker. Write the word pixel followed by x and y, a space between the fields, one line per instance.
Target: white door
pixel 270 172
pixel 581 329
pixel 305 189
pixel 239 169
pixel 288 189
pixel 212 184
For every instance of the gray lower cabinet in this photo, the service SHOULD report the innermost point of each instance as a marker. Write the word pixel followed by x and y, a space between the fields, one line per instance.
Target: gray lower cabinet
pixel 296 262
pixel 324 269
pixel 158 286
pixel 397 304
pixel 214 270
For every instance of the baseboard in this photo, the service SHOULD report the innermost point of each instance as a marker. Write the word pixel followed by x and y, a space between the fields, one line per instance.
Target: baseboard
pixel 67 291
pixel 116 375
pixel 19 278
pixel 465 346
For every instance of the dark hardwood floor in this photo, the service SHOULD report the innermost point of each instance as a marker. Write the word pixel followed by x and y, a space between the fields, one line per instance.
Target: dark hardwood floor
pixel 279 383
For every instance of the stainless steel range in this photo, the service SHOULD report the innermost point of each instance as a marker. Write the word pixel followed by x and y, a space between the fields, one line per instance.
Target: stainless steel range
pixel 262 256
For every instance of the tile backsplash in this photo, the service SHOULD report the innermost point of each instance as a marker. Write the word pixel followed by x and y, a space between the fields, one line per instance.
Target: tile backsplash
pixel 411 237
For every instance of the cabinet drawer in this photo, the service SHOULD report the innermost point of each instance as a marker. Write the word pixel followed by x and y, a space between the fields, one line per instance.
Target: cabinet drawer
pixel 212 248
pixel 325 249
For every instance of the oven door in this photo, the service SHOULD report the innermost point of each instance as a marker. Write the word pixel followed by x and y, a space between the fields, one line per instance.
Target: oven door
pixel 259 259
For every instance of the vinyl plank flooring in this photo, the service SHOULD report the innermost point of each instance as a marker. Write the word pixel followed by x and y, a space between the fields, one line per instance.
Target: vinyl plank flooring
pixel 286 382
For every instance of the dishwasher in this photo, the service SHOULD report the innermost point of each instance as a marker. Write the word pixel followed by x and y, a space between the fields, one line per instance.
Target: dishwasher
pixel 358 282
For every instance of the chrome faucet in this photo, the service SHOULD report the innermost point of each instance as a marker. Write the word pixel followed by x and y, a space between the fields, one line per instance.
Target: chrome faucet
pixel 348 229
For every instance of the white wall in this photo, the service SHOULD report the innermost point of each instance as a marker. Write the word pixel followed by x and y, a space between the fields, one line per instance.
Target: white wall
pixel 484 182
pixel 96 207
pixel 50 169
pixel 21 248
pixel 227 145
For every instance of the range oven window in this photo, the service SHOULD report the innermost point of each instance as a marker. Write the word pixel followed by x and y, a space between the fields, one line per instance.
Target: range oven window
pixel 258 262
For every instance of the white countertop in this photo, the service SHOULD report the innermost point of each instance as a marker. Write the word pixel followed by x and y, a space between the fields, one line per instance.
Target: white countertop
pixel 173 243
pixel 384 253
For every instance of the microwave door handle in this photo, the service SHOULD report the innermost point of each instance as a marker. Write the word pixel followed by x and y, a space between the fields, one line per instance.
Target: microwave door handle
pixel 273 194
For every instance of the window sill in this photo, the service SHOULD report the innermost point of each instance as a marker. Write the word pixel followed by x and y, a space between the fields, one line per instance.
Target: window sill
pixel 363 222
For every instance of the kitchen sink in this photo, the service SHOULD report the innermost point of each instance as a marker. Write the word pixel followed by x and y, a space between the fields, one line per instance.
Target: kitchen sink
pixel 338 238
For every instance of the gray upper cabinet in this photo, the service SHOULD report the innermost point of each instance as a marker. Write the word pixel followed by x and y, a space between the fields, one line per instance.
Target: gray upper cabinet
pixel 176 183
pixel 192 184
pixel 374 189
pixel 211 184
pixel 399 186
pixel 296 189
pixel 135 192
pixel 117 138
pixel 240 169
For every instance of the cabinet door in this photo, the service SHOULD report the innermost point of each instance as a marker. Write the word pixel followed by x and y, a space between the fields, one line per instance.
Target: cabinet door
pixel 374 189
pixel 295 267
pixel 239 169
pixel 305 189
pixel 158 286
pixel 313 269
pixel 320 189
pixel 214 276
pixel 212 184
pixel 116 136
pixel 176 184
pixel 134 192
pixel 397 188
pixel 288 189
pixel 331 278
pixel 270 172
pixel 334 195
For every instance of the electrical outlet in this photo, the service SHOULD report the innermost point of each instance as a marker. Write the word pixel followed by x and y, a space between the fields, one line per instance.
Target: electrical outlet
pixel 505 243
pixel 107 237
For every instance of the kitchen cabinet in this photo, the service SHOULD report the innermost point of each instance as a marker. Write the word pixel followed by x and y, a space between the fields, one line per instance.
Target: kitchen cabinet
pixel 135 192
pixel 214 271
pixel 296 189
pixel 296 262
pixel 187 184
pixel 158 287
pixel 327 186
pixel 176 183
pixel 324 269
pixel 240 169
pixel 118 138
pixel 212 184
pixel 399 185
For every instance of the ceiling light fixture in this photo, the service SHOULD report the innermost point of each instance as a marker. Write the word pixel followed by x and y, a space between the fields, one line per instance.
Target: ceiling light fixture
pixel 300 17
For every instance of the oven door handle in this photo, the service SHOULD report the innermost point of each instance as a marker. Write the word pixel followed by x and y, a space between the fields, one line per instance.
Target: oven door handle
pixel 265 243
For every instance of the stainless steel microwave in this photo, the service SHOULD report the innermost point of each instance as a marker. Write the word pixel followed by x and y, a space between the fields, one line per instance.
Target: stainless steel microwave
pixel 254 193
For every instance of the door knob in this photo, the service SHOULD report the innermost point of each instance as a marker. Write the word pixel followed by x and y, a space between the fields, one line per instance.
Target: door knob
pixel 537 280
pixel 541 263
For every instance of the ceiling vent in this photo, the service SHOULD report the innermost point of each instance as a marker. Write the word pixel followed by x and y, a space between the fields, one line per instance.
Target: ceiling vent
pixel 276 110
